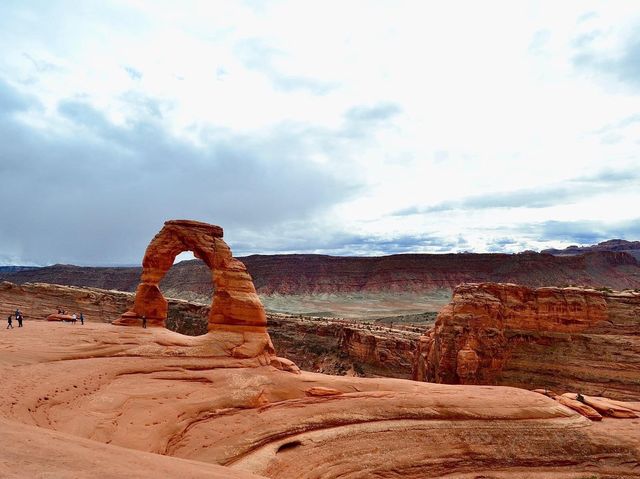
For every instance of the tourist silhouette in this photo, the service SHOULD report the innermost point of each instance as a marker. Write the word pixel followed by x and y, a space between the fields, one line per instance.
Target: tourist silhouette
pixel 81 318
pixel 144 321
pixel 19 318
pixel 9 322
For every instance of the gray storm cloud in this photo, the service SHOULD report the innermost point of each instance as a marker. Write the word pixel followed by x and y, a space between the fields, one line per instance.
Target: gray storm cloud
pixel 97 192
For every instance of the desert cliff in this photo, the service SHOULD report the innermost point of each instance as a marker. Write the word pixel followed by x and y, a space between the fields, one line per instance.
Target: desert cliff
pixel 344 286
pixel 569 339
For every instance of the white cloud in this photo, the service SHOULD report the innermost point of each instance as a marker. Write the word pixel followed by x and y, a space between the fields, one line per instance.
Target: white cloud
pixel 419 104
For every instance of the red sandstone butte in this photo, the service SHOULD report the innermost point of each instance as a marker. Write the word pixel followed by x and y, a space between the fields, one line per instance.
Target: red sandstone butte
pixel 563 338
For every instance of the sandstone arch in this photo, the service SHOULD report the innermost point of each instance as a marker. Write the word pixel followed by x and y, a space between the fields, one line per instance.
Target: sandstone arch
pixel 235 305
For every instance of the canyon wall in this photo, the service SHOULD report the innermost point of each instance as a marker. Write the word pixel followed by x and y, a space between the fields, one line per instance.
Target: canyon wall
pixel 344 347
pixel 403 273
pixel 569 339
pixel 38 300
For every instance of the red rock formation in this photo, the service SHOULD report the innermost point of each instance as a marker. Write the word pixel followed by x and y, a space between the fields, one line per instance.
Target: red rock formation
pixel 569 338
pixel 404 273
pixel 59 317
pixel 96 401
pixel 378 351
pixel 38 301
pixel 344 347
pixel 235 301
pixel 237 316
pixel 41 301
pixel 319 345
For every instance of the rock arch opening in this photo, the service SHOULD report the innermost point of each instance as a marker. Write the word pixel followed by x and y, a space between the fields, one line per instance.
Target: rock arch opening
pixel 235 303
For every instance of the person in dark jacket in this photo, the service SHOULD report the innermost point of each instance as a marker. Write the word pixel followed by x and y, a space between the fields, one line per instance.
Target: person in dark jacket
pixel 81 318
pixel 144 321
pixel 19 318
pixel 10 322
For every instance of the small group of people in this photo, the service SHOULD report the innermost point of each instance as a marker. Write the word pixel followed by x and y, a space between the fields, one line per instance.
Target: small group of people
pixel 19 318
pixel 74 316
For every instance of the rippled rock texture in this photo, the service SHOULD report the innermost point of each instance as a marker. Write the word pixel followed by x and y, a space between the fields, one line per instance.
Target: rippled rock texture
pixel 94 401
pixel 559 338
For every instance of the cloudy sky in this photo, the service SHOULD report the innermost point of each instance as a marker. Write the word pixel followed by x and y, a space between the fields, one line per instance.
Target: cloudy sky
pixel 349 128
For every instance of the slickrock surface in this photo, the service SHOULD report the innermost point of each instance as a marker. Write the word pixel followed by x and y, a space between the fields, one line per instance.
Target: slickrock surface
pixel 559 338
pixel 28 452
pixel 149 391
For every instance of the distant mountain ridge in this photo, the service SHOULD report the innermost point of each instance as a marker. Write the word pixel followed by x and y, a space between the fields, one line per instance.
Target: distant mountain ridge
pixel 417 274
pixel 618 245
pixel 13 269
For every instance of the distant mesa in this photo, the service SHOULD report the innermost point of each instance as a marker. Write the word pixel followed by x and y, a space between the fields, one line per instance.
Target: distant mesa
pixel 613 245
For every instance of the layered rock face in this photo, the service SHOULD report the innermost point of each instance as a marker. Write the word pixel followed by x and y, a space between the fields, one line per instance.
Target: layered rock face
pixel 39 301
pixel 235 301
pixel 403 273
pixel 343 347
pixel 237 318
pixel 562 338
pixel 305 274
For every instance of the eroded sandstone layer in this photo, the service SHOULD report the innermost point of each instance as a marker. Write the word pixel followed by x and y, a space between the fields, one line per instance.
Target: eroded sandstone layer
pixel 38 301
pixel 317 283
pixel 104 397
pixel 568 339
pixel 235 302
pixel 314 344
pixel 237 320
pixel 344 347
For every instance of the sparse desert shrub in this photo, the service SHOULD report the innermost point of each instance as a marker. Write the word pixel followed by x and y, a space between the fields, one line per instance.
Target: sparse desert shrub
pixel 357 367
pixel 605 289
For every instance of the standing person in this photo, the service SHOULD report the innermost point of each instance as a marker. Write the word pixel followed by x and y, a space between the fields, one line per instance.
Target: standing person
pixel 74 318
pixel 9 322
pixel 81 319
pixel 144 321
pixel 19 318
